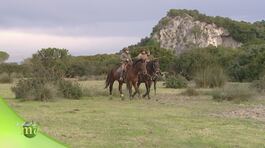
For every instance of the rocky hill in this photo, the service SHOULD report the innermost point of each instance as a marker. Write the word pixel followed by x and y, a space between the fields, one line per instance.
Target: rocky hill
pixel 185 29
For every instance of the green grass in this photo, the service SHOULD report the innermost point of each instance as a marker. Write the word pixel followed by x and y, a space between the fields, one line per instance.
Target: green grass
pixel 168 120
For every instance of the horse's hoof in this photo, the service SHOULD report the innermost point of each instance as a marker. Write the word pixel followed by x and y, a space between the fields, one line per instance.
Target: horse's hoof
pixel 110 97
pixel 122 96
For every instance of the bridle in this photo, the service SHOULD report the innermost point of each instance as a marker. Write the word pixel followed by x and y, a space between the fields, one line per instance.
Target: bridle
pixel 156 70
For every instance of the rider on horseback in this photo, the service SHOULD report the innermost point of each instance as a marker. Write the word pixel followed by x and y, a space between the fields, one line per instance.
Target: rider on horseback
pixel 125 59
pixel 149 56
pixel 142 55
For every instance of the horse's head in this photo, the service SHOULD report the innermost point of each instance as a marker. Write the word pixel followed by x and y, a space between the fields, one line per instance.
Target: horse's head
pixel 156 67
pixel 140 66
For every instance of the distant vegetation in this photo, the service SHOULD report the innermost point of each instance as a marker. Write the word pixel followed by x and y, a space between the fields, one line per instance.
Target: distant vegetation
pixel 239 65
pixel 92 65
pixel 3 56
pixel 245 64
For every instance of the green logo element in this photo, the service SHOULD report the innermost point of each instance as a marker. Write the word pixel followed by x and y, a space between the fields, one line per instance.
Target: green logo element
pixel 30 129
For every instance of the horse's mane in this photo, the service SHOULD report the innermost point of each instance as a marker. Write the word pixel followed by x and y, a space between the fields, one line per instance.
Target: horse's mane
pixel 136 61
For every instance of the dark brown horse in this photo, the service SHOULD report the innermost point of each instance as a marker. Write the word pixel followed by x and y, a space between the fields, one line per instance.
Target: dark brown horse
pixel 132 76
pixel 153 70
pixel 133 69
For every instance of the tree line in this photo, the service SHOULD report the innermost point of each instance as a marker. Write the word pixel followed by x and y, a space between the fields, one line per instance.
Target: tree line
pixel 241 64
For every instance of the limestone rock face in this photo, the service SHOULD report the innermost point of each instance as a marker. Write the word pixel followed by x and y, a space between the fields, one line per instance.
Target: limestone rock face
pixel 181 33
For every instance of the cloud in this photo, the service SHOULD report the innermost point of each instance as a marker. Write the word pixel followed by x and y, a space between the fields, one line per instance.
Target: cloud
pixel 97 26
pixel 21 45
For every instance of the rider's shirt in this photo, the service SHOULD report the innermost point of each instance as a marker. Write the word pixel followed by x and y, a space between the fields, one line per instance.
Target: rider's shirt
pixel 125 57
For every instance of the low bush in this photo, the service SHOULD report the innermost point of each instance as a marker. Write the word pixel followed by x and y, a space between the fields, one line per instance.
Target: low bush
pixel 70 89
pixel 210 77
pixel 48 68
pixel 259 85
pixel 22 88
pixel 16 75
pixel 190 92
pixel 34 89
pixel 236 93
pixel 5 78
pixel 176 81
pixel 46 92
pixel 41 90
pixel 83 78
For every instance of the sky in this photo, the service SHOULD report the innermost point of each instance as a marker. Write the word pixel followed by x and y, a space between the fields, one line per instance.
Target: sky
pixel 88 27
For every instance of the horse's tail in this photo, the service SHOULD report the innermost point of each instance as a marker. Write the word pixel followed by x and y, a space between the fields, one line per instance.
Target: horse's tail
pixel 107 82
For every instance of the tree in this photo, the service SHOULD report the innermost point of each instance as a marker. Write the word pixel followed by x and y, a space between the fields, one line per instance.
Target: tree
pixel 3 56
pixel 48 68
pixel 50 63
pixel 249 64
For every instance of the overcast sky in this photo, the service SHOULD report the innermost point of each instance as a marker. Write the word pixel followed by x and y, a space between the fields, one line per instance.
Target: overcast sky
pixel 87 27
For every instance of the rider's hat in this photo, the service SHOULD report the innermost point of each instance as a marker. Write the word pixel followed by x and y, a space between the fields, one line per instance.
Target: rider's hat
pixel 148 52
pixel 125 49
pixel 142 50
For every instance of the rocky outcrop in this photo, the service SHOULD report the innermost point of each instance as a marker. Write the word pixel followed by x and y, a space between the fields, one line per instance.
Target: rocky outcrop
pixel 180 33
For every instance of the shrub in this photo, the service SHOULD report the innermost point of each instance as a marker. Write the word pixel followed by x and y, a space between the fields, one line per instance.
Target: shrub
pixel 210 77
pixel 176 81
pixel 238 93
pixel 42 90
pixel 46 92
pixel 16 75
pixel 83 78
pixel 5 78
pixel 48 69
pixel 70 89
pixel 22 88
pixel 259 85
pixel 190 92
pixel 34 89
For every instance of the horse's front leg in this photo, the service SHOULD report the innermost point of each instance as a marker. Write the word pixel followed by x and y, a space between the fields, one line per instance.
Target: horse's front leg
pixel 147 86
pixel 154 85
pixel 136 88
pixel 146 89
pixel 110 89
pixel 129 86
pixel 120 90
pixel 138 85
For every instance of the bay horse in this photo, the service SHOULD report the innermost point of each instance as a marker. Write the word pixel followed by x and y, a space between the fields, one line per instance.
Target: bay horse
pixel 132 70
pixel 132 75
pixel 153 70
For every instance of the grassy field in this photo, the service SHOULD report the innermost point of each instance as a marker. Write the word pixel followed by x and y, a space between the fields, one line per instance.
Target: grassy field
pixel 168 120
